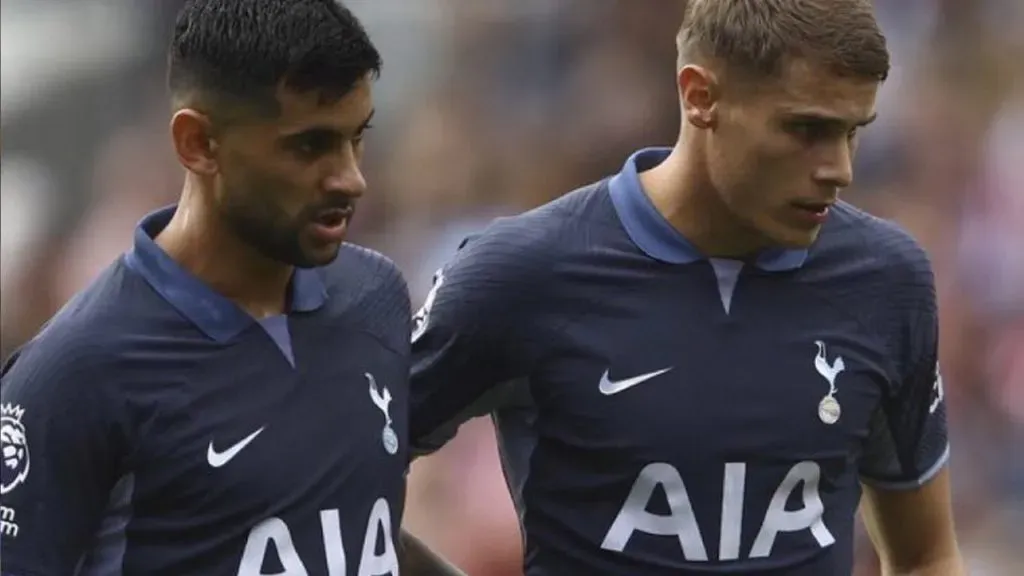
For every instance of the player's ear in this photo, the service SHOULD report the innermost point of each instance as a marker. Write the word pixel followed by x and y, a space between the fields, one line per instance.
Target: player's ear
pixel 699 92
pixel 192 135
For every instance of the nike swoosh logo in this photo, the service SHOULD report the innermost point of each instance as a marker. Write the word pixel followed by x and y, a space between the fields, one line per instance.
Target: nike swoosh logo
pixel 218 459
pixel 609 387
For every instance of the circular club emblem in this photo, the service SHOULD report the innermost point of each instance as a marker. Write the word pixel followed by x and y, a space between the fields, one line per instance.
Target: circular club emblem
pixel 829 410
pixel 390 440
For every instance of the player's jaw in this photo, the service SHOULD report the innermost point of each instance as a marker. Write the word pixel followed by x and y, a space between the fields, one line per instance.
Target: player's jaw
pixel 303 236
pixel 790 222
pixel 797 222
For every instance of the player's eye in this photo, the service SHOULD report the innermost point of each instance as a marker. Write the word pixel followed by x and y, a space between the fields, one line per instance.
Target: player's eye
pixel 362 134
pixel 808 131
pixel 311 145
pixel 314 147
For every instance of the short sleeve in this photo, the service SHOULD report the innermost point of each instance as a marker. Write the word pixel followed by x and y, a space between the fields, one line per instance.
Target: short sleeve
pixel 472 337
pixel 61 453
pixel 908 443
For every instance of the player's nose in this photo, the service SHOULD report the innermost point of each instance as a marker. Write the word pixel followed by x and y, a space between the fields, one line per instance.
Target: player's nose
pixel 345 177
pixel 836 167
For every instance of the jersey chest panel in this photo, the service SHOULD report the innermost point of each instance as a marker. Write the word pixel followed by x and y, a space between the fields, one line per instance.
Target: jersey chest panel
pixel 246 436
pixel 664 371
pixel 672 434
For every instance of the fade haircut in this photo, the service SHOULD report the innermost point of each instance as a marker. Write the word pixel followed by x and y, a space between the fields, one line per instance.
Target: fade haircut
pixel 759 37
pixel 231 56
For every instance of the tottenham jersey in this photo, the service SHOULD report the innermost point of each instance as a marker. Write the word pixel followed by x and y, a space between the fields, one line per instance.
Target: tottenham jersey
pixel 662 413
pixel 154 428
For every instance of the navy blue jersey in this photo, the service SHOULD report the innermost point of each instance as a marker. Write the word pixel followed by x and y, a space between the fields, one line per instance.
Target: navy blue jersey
pixel 663 413
pixel 154 428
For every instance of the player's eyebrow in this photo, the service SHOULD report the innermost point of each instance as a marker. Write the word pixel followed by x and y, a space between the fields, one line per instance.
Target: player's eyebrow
pixel 821 118
pixel 328 131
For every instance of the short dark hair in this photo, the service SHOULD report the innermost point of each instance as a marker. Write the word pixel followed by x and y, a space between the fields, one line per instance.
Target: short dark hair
pixel 759 36
pixel 238 52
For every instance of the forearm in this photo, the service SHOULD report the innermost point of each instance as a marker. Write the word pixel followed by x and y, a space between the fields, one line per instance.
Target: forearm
pixel 913 530
pixel 952 566
pixel 419 560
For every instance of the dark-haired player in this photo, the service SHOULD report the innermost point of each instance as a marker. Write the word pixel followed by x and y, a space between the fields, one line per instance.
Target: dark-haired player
pixel 696 363
pixel 230 396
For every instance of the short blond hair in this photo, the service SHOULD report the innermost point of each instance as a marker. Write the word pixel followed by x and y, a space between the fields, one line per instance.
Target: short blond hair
pixel 759 36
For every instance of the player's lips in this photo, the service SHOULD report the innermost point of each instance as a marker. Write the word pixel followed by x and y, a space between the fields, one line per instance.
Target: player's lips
pixel 812 211
pixel 330 224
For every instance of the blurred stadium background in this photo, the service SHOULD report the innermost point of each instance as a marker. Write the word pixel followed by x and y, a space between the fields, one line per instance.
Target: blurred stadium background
pixel 489 107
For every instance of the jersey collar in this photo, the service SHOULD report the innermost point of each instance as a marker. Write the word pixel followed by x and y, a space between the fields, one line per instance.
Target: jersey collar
pixel 654 235
pixel 217 316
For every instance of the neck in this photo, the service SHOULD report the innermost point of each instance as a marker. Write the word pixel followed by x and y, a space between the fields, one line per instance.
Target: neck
pixel 682 192
pixel 198 240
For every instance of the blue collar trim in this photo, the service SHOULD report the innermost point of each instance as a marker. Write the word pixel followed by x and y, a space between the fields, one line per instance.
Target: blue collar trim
pixel 654 235
pixel 217 316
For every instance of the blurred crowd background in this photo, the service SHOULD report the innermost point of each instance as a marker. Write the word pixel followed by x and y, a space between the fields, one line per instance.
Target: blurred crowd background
pixel 491 107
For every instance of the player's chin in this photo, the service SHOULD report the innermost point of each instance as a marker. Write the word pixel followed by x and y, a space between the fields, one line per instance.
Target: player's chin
pixel 316 252
pixel 790 236
pixel 314 256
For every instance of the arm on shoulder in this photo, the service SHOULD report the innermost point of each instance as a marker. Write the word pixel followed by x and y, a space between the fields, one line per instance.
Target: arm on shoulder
pixel 473 337
pixel 912 530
